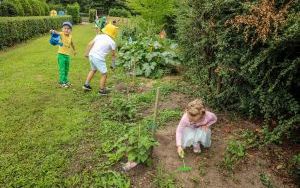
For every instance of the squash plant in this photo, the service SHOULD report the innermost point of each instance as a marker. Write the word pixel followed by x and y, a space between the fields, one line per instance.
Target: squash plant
pixel 149 57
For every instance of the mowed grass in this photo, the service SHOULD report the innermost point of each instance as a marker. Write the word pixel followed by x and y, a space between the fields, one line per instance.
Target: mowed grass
pixel 41 124
pixel 55 137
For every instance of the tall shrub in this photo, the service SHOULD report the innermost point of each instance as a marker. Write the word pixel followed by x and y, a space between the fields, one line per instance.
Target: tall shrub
pixel 18 5
pixel 26 7
pixel 92 15
pixel 74 11
pixel 36 8
pixel 244 55
pixel 8 9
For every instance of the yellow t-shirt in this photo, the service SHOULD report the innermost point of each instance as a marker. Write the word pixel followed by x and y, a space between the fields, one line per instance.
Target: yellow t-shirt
pixel 66 40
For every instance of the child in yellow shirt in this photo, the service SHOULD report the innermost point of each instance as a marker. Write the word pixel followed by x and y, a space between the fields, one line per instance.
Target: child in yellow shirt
pixel 64 53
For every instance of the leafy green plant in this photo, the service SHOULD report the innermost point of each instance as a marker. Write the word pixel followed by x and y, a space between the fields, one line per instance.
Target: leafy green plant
pixel 140 144
pixel 122 110
pixel 235 151
pixel 265 180
pixel 163 179
pixel 184 167
pixel 110 179
pixel 149 57
pixel 136 144
pixel 251 139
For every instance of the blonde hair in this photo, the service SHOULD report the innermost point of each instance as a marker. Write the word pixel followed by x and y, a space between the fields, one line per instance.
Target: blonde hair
pixel 195 107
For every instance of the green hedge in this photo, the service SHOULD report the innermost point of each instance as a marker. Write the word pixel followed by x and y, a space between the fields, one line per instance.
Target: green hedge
pixel 18 5
pixel 14 30
pixel 27 7
pixel 36 7
pixel 240 68
pixel 119 12
pixel 92 15
pixel 74 10
pixel 8 9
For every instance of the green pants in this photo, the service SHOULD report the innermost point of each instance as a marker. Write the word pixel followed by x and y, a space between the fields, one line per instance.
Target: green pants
pixel 63 68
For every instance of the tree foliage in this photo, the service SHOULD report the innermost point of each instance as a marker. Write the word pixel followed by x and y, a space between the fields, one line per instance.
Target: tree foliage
pixel 156 10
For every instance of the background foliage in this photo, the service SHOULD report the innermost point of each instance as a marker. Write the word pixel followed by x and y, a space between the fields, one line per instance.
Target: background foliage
pixel 240 67
pixel 18 29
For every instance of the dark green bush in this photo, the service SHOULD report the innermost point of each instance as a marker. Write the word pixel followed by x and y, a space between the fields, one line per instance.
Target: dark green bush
pixel 42 9
pixel 92 15
pixel 46 9
pixel 36 7
pixel 74 10
pixel 15 30
pixel 8 9
pixel 240 67
pixel 18 5
pixel 119 12
pixel 26 7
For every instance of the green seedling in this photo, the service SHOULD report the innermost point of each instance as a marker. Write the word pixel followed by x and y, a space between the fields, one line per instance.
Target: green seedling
pixel 184 168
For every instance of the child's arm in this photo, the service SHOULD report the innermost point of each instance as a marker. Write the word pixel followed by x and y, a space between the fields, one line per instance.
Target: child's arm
pixel 53 31
pixel 88 48
pixel 179 131
pixel 212 119
pixel 73 47
pixel 113 59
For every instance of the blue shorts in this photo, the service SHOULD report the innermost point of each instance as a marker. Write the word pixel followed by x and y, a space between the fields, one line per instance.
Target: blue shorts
pixel 98 64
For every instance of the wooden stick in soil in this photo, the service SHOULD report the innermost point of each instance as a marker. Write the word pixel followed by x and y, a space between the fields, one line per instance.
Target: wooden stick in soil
pixel 156 105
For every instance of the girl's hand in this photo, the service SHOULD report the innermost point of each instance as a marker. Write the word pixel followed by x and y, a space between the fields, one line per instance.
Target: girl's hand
pixel 205 127
pixel 180 152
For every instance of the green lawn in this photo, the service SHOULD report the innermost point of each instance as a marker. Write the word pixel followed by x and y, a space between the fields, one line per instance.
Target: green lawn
pixel 52 136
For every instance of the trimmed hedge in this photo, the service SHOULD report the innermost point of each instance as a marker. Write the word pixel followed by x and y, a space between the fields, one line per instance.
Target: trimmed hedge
pixel 17 29
pixel 74 10
pixel 119 12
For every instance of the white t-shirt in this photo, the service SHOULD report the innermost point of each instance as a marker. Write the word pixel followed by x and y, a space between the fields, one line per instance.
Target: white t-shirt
pixel 103 45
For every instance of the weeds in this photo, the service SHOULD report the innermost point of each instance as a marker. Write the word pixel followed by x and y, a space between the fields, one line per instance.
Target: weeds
pixel 265 180
pixel 235 152
pixel 163 179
